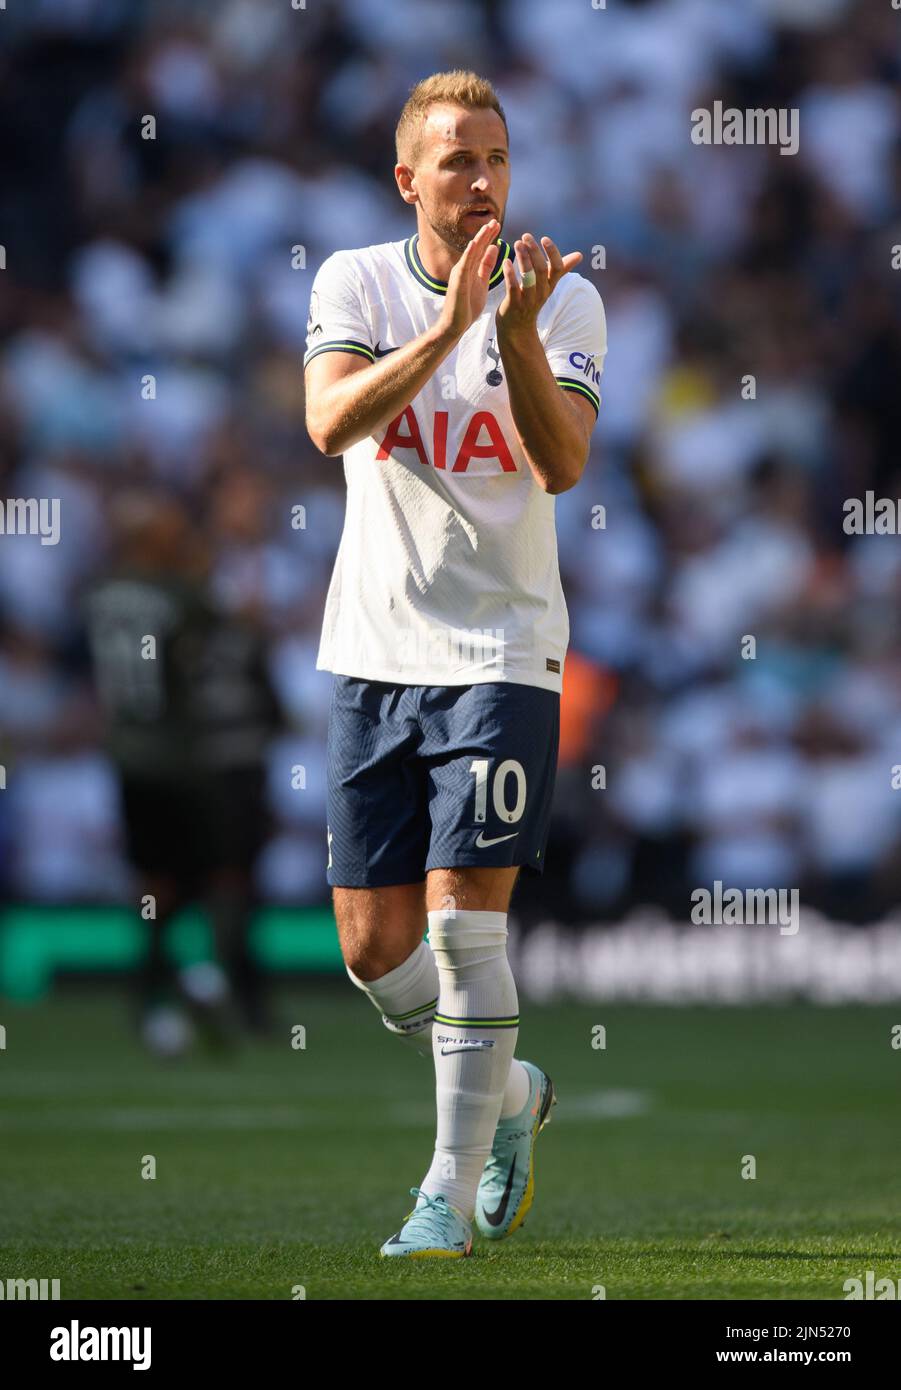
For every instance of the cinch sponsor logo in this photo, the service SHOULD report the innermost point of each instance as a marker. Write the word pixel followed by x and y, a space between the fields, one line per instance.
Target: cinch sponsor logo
pixel 29 1288
pixel 77 1343
pixel 584 363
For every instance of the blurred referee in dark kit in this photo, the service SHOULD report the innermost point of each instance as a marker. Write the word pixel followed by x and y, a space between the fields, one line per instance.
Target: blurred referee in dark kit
pixel 189 712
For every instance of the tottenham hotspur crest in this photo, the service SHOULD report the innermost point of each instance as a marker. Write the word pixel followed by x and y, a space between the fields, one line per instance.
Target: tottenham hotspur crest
pixel 494 377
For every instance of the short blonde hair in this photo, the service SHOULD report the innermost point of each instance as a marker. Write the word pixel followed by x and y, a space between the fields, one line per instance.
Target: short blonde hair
pixel 458 88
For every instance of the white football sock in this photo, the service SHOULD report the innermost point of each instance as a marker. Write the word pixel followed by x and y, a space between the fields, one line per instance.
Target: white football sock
pixel 517 1090
pixel 407 998
pixel 473 1040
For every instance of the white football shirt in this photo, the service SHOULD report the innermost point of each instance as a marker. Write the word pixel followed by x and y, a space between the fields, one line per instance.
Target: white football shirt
pixel 447 571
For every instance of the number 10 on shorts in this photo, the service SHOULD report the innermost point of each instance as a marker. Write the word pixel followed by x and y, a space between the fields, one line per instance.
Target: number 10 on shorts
pixel 508 768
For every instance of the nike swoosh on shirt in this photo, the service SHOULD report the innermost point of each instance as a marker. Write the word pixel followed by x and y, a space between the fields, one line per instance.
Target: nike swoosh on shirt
pixel 494 1218
pixel 482 843
pixel 382 352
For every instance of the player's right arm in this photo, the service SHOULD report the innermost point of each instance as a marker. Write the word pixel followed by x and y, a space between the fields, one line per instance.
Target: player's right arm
pixel 349 397
pixel 348 394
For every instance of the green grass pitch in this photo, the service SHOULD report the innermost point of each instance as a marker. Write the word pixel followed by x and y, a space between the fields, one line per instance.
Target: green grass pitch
pixel 285 1168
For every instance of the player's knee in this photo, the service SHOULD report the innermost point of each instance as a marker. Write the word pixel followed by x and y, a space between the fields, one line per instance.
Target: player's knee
pixel 471 889
pixel 369 960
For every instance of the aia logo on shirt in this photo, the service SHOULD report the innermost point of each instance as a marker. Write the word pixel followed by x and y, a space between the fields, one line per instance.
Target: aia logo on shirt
pixel 404 433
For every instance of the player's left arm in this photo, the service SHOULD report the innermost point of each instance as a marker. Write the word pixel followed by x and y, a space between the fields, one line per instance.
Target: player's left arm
pixel 554 414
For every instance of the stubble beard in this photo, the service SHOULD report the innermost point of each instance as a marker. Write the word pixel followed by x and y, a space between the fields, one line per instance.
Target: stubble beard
pixel 451 232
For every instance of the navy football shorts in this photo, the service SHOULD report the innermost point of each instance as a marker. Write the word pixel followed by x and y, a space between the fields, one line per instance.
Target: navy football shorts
pixel 429 777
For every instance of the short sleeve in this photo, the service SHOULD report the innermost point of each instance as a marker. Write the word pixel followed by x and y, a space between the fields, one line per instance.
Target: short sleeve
pixel 577 341
pixel 338 321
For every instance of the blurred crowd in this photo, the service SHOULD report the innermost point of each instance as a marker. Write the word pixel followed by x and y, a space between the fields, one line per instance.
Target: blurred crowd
pixel 153 311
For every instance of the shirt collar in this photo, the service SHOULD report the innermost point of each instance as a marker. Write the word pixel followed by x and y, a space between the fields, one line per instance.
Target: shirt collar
pixel 419 272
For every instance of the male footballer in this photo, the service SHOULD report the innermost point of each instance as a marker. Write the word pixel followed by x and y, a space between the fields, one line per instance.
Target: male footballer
pixel 458 375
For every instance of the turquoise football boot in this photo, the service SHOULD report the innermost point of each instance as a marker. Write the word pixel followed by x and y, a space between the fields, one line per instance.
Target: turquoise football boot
pixel 507 1185
pixel 433 1230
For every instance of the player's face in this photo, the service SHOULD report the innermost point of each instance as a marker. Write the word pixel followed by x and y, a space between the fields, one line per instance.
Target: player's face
pixel 462 176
